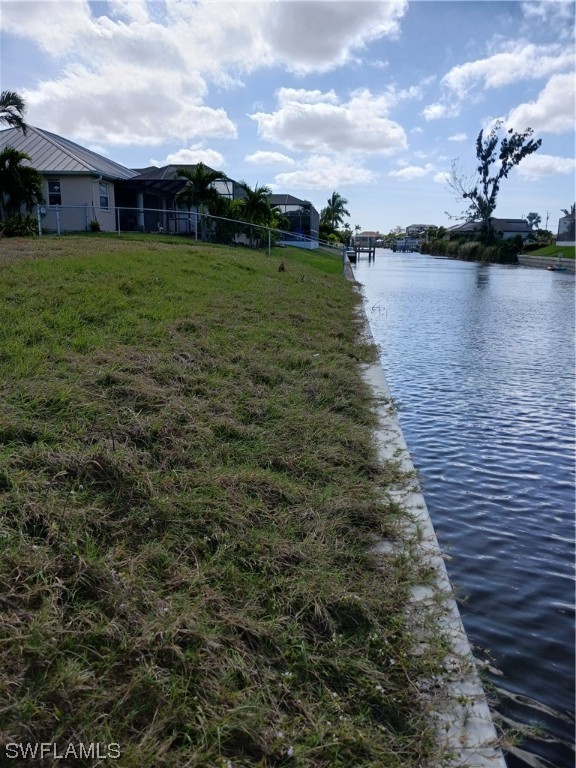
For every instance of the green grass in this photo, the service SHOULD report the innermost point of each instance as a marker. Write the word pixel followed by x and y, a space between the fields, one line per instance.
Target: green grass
pixel 188 496
pixel 567 251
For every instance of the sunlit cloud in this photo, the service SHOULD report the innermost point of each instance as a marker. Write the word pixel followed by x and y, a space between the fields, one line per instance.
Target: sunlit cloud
pixel 192 156
pixel 552 112
pixel 325 172
pixel 269 158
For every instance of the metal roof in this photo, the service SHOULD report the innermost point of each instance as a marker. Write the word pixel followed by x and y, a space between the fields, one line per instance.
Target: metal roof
pixel 504 225
pixel 277 199
pixel 156 173
pixel 50 153
pixel 165 179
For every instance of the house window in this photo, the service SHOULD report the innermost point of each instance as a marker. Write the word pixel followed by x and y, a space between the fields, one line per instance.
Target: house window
pixel 104 202
pixel 54 193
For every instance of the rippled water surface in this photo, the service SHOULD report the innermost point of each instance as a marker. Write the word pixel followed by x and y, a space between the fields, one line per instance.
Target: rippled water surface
pixel 481 360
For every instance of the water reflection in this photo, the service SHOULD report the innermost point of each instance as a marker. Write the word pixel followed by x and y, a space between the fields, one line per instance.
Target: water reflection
pixel 482 358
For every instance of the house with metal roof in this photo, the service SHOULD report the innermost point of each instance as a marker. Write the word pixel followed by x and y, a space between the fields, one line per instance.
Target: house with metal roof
pixel 83 187
pixel 302 218
pixel 75 177
pixel 368 239
pixel 507 228
pixel 147 199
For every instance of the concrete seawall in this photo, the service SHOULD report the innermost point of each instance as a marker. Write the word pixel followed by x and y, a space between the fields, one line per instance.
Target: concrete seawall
pixel 543 262
pixel 465 724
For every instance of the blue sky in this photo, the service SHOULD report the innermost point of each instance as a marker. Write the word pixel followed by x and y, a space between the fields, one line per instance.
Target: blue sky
pixel 373 100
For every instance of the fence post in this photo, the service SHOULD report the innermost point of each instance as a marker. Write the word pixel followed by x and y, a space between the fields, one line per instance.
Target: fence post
pixel 343 259
pixel 58 220
pixel 269 242
pixel 39 218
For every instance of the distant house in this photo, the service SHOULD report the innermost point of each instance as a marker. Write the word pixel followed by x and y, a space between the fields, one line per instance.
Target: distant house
pixel 368 239
pixel 566 230
pixel 303 220
pixel 506 228
pixel 406 244
pixel 417 231
pixel 74 176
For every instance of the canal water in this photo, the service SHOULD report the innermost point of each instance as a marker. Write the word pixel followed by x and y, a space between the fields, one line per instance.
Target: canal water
pixel 480 359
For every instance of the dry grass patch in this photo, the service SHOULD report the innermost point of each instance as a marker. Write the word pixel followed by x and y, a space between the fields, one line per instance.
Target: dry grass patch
pixel 188 498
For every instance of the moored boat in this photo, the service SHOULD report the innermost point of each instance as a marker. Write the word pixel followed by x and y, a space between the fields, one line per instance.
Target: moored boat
pixel 558 267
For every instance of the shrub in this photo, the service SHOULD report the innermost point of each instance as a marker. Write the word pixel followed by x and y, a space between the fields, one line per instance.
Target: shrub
pixel 471 251
pixel 490 253
pixel 94 225
pixel 528 247
pixel 508 250
pixel 18 226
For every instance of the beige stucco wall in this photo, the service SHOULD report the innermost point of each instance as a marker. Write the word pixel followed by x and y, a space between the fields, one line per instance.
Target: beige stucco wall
pixel 80 203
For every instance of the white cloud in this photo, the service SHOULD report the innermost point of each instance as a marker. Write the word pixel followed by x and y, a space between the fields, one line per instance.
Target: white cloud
pixel 269 158
pixel 522 61
pixel 359 125
pixel 120 107
pixel 141 70
pixel 316 36
pixel 517 61
pixel 441 177
pixel 555 16
pixel 537 166
pixel 324 172
pixel 98 149
pixel 377 64
pixel 411 172
pixel 302 96
pixel 458 137
pixel 192 156
pixel 51 24
pixel 438 110
pixel 131 10
pixel 552 112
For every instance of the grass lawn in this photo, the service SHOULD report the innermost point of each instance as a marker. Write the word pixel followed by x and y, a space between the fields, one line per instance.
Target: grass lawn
pixel 567 251
pixel 189 491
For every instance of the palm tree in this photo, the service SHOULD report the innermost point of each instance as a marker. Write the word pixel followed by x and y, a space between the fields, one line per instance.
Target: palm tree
pixel 280 221
pixel 227 213
pixel 20 185
pixel 12 108
pixel 256 208
pixel 199 190
pixel 336 210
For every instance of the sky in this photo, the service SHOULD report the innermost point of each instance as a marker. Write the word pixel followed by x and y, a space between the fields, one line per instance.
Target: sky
pixel 374 100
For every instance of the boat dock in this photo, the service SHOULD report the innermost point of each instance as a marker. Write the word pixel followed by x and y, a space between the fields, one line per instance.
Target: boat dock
pixel 358 250
pixel 364 243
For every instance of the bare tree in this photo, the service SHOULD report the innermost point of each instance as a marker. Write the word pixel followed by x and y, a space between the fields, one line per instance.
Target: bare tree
pixel 480 190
